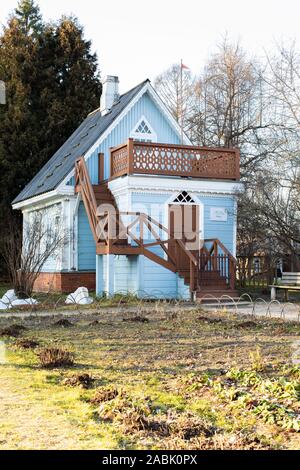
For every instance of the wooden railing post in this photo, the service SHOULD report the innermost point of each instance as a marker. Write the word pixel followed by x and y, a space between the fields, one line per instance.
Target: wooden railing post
pixel 130 156
pixel 100 167
pixel 192 279
pixel 141 224
pixel 111 156
pixel 109 232
pixel 237 164
pixel 232 274
pixel 215 256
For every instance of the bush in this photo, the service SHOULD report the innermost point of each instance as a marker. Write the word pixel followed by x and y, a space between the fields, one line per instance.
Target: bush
pixel 55 357
pixel 26 343
pixel 104 394
pixel 81 380
pixel 13 330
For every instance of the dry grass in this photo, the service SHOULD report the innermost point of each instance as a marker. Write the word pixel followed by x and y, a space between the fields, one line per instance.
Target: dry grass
pixel 51 358
pixel 104 394
pixel 174 382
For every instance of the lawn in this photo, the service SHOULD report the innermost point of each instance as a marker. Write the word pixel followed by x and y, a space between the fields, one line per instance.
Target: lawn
pixel 191 380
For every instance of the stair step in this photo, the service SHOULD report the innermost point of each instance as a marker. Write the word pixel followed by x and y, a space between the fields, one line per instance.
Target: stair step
pixel 105 199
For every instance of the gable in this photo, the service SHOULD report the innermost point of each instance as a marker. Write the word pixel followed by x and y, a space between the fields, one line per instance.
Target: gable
pixel 146 108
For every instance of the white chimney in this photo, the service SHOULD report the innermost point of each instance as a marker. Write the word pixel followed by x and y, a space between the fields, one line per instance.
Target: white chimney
pixel 110 93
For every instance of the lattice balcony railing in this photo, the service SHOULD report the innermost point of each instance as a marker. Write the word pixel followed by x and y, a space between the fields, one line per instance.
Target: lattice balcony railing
pixel 175 160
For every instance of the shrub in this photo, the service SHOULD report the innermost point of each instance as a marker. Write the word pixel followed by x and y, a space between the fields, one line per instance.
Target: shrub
pixel 81 380
pixel 138 318
pixel 55 357
pixel 26 343
pixel 64 322
pixel 13 330
pixel 104 394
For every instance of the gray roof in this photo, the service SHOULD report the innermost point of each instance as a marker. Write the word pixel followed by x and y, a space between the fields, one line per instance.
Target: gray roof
pixel 63 161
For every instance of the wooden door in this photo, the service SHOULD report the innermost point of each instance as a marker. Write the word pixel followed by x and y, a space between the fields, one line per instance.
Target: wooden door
pixel 184 225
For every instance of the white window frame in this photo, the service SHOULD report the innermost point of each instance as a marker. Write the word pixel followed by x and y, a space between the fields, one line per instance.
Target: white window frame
pixel 141 136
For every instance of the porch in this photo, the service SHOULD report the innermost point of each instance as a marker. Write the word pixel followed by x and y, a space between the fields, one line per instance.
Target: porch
pixel 148 158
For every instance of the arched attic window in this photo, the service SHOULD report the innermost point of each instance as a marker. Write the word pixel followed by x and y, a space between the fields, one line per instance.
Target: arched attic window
pixel 143 132
pixel 184 198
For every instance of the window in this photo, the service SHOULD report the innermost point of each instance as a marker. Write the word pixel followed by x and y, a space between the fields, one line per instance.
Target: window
pixel 143 132
pixel 184 198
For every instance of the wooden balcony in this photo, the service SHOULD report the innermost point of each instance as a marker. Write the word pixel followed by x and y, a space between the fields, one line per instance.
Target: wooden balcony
pixel 174 160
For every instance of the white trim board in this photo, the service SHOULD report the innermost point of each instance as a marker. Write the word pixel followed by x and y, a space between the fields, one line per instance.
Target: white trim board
pixel 47 198
pixel 164 185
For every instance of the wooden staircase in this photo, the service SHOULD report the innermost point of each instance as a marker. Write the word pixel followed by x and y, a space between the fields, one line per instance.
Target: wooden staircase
pixel 103 195
pixel 217 267
pixel 209 272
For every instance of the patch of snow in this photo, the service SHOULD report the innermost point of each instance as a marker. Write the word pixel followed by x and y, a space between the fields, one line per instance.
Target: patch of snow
pixel 18 302
pixel 4 306
pixel 9 297
pixel 80 297
pixel 10 300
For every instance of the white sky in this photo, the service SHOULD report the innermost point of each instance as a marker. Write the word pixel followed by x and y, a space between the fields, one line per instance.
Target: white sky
pixel 137 39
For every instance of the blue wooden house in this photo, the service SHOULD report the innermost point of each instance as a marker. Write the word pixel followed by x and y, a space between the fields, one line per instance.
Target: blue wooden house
pixel 146 212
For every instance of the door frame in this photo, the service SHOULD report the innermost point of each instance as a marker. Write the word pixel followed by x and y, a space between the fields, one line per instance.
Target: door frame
pixel 197 202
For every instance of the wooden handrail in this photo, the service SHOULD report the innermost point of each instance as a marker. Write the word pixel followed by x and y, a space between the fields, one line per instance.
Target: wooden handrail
pixel 84 186
pixel 136 157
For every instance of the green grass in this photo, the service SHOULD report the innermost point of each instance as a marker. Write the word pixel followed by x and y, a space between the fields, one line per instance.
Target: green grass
pixel 181 375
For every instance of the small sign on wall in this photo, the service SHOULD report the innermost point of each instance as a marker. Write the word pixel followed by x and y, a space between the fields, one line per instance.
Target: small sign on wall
pixel 218 214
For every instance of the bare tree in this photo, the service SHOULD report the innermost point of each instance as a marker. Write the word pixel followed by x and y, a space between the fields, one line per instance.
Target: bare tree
pixel 238 101
pixel 168 85
pixel 231 108
pixel 281 189
pixel 26 253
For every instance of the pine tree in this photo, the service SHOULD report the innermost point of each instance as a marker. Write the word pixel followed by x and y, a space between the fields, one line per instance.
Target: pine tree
pixel 29 17
pixel 68 85
pixel 18 64
pixel 52 84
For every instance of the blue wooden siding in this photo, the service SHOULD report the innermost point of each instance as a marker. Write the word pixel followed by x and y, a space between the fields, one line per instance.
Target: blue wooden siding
pixel 183 290
pixel 155 281
pixel 217 229
pixel 86 242
pixel 155 204
pixel 144 107
pixel 158 281
pixel 125 275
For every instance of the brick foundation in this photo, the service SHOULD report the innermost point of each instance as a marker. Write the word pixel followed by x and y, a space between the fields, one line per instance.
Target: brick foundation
pixel 65 282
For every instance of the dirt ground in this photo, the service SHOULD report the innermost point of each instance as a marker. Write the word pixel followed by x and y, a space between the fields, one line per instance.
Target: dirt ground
pixel 182 379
